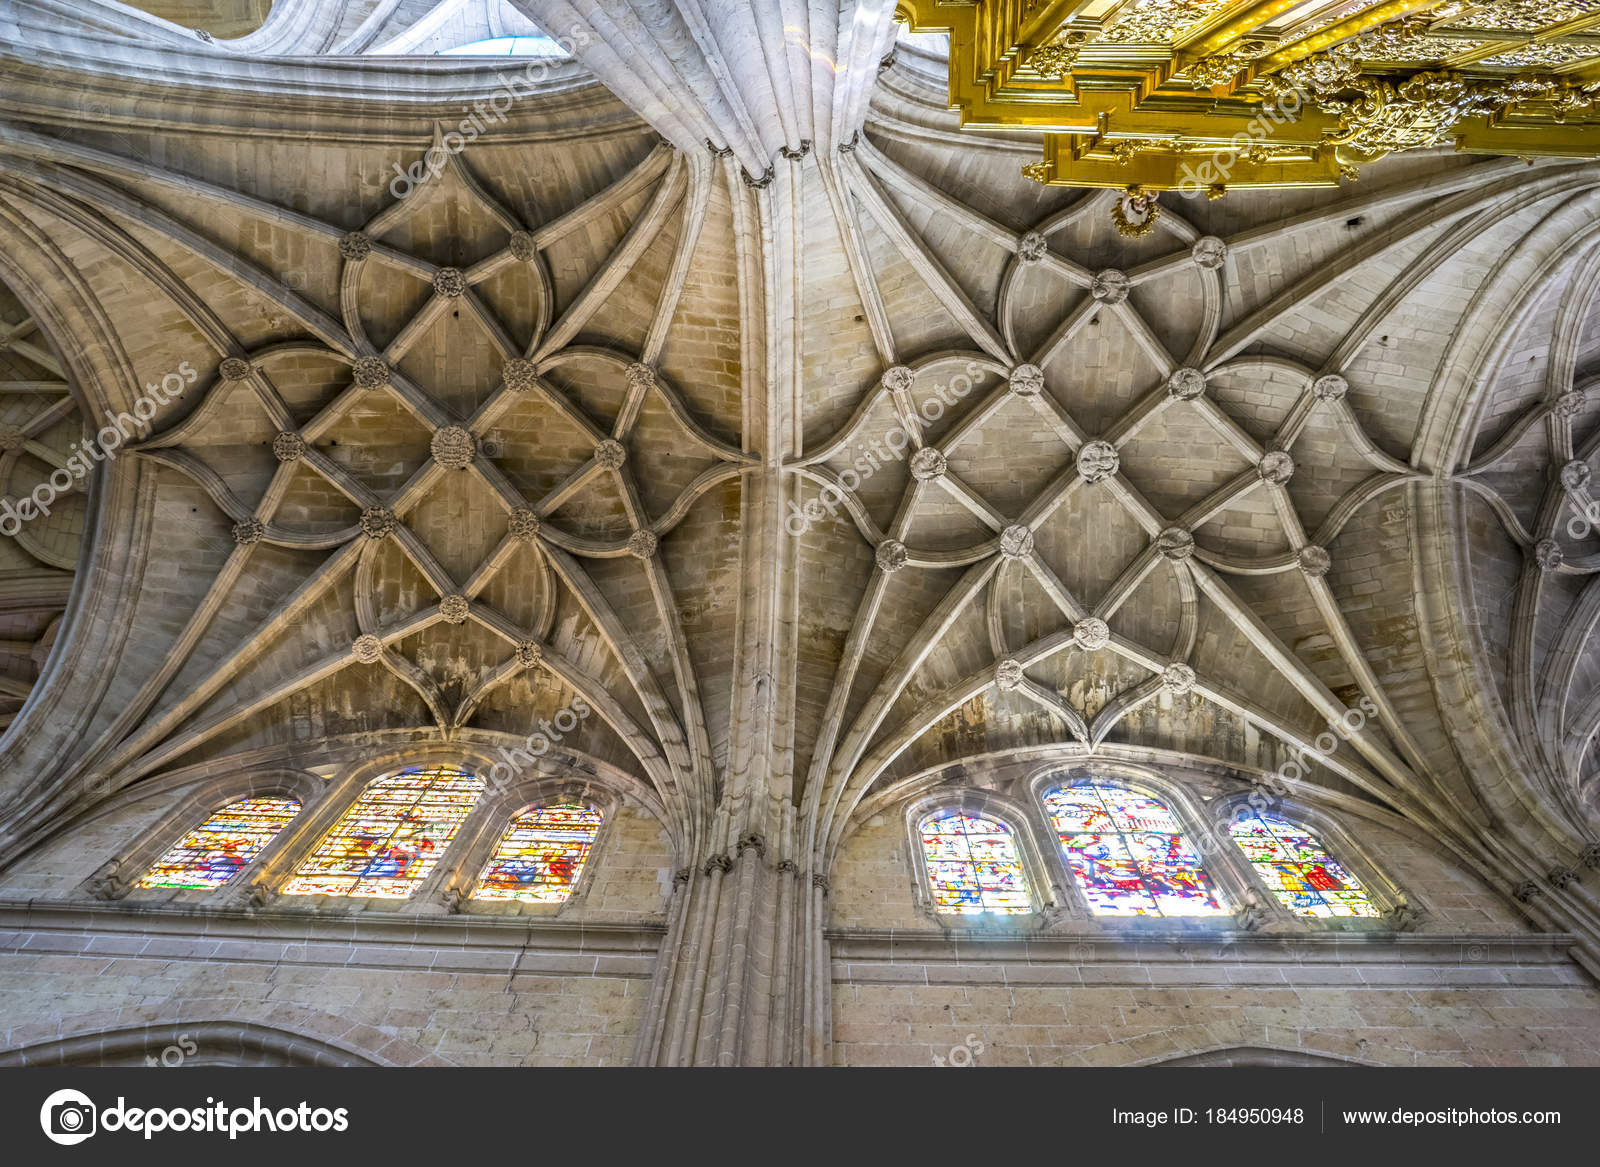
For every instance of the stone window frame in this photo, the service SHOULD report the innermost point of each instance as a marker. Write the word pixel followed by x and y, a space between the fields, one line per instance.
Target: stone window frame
pixel 1399 907
pixel 482 831
pixel 1224 865
pixel 1044 891
pixel 343 790
pixel 116 878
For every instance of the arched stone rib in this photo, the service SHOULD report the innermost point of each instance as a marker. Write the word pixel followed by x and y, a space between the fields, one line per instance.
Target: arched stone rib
pixel 910 658
pixel 27 144
pixel 849 780
pixel 1128 581
pixel 652 167
pixel 1119 707
pixel 328 574
pixel 1320 279
pixel 1307 684
pixel 1344 640
pixel 698 434
pixel 1501 509
pixel 36 548
pixel 486 320
pixel 1054 495
pixel 147 216
pixel 707 480
pixel 1247 565
pixel 456 161
pixel 422 684
pixel 41 423
pixel 1092 203
pixel 1229 430
pixel 1582 726
pixel 568 410
pixel 204 477
pixel 339 478
pixel 1060 595
pixel 1520 653
pixel 923 261
pixel 424 560
pixel 1147 340
pixel 1069 327
pixel 1358 496
pixel 843 436
pixel 1135 417
pixel 1053 704
pixel 414 328
pixel 147 763
pixel 924 193
pixel 672 626
pixel 694 218
pixel 421 405
pixel 1220 499
pixel 854 652
pixel 1429 186
pixel 1442 249
pixel 974 502
pixel 564 490
pixel 1444 442
pixel 848 226
pixel 1554 689
pixel 669 733
pixel 330 415
pixel 1532 416
pixel 115 240
pixel 852 505
pixel 639 743
pixel 1363 443
pixel 617 265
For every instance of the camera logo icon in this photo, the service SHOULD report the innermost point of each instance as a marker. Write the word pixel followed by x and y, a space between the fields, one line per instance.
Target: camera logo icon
pixel 68 1117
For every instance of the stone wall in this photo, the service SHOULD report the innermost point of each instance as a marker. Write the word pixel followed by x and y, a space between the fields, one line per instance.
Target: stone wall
pixel 412 986
pixel 1472 985
pixel 1474 1001
pixel 395 992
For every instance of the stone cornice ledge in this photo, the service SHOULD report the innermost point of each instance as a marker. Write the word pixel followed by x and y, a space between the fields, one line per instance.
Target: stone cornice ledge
pixel 512 944
pixel 1355 958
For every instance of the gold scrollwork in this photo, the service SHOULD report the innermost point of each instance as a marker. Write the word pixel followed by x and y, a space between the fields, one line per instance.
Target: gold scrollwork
pixel 1135 213
pixel 1208 72
pixel 1056 57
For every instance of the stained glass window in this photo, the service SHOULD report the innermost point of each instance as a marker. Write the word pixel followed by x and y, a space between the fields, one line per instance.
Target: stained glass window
pixel 1297 868
pixel 221 847
pixel 541 855
pixel 390 838
pixel 1130 853
pixel 973 865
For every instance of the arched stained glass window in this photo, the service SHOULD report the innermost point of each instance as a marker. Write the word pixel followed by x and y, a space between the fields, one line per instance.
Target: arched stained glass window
pixel 1130 853
pixel 541 855
pixel 973 865
pixel 1297 868
pixel 392 835
pixel 223 845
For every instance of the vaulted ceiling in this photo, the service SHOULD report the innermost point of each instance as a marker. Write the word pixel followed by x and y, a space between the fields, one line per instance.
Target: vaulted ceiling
pixel 462 451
